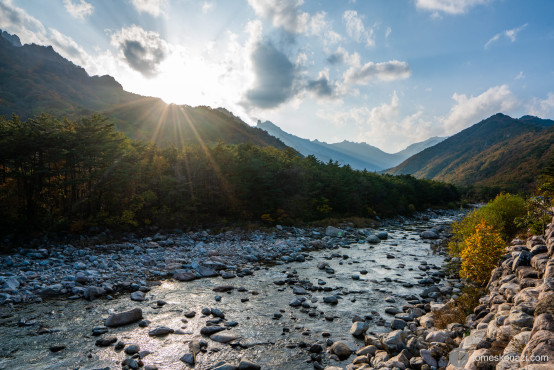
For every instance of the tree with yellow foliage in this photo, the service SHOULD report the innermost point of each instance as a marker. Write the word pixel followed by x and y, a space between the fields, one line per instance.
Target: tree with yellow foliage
pixel 484 248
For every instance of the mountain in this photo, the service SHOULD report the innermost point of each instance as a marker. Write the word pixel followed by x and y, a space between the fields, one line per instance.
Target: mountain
pixel 35 79
pixel 500 151
pixel 357 155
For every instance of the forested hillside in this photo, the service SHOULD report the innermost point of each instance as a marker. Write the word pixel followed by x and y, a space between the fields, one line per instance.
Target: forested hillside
pixel 500 153
pixel 35 79
pixel 68 175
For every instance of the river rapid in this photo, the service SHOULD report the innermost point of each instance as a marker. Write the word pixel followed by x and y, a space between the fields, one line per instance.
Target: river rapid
pixel 365 278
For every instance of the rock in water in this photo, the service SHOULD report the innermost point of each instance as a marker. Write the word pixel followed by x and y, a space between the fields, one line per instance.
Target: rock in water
pixel 138 296
pixel 359 328
pixel 160 331
pixel 124 318
pixel 333 231
pixel 248 365
pixel 341 350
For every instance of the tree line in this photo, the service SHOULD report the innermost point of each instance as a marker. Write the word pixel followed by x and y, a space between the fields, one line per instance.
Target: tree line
pixel 61 174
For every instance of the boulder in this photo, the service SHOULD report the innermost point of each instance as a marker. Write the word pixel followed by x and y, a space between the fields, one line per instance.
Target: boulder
pixel 539 349
pixel 184 276
pixel 333 231
pixel 341 350
pixel 373 239
pixel 429 234
pixel 394 341
pixel 359 328
pixel 124 318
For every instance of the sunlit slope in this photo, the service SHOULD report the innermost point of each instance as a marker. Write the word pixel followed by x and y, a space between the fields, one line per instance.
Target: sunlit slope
pixel 499 151
pixel 35 79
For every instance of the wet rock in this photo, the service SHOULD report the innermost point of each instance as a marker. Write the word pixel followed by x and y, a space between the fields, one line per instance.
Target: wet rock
pixel 132 349
pixel 392 310
pixel 248 365
pixel 144 323
pixel 188 359
pixel 316 348
pixel 397 324
pixel 223 338
pixel 333 231
pixel 124 318
pixel 190 314
pixel 210 330
pixel 99 331
pixel 160 331
pixel 429 234
pixel 341 350
pixel 373 239
pixel 138 296
pixel 56 348
pixel 383 235
pixel 331 299
pixel 223 288
pixel 106 342
pixel 359 328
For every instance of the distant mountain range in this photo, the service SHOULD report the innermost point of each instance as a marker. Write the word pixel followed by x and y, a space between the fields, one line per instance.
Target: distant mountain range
pixel 358 155
pixel 35 79
pixel 499 152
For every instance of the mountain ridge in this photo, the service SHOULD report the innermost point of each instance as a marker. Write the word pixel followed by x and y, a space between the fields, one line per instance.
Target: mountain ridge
pixel 499 151
pixel 36 79
pixel 358 155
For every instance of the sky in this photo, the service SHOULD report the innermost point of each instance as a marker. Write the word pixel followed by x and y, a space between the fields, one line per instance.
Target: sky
pixel 389 73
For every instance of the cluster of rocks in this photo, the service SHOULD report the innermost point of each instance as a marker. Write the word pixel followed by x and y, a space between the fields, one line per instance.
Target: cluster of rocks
pixel 512 328
pixel 93 267
pixel 215 329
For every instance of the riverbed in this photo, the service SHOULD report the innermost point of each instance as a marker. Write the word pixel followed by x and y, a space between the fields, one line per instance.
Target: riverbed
pixel 365 278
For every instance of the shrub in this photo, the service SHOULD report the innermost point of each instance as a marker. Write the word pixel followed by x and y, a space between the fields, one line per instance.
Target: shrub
pixel 456 311
pixel 501 213
pixel 484 248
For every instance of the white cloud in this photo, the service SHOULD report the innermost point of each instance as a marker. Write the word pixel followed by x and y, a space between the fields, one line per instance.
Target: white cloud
pixel 388 32
pixel 449 6
pixel 520 76
pixel 383 125
pixel 385 71
pixel 470 110
pixel 509 34
pixel 142 50
pixel 152 7
pixel 79 9
pixel 543 108
pixel 283 13
pixel 356 29
pixel 207 6
pixel 16 20
pixel 68 48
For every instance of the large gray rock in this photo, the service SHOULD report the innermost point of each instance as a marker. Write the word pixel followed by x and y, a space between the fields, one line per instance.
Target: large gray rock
pixel 184 276
pixel 359 328
pixel 124 318
pixel 522 259
pixel 441 336
pixel 394 341
pixel 341 350
pixel 429 234
pixel 138 296
pixel 373 239
pixel 333 231
pixel 539 348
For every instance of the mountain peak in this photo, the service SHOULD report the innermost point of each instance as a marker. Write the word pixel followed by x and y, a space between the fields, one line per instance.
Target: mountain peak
pixel 12 39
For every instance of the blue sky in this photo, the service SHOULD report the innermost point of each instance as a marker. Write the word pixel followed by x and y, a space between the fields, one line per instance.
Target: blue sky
pixel 388 73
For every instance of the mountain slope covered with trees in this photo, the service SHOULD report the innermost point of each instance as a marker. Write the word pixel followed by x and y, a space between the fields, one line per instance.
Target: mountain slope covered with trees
pixel 35 79
pixel 500 153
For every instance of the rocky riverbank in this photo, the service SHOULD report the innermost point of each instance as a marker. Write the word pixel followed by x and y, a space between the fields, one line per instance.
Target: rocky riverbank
pixel 283 297
pixel 512 328
pixel 92 268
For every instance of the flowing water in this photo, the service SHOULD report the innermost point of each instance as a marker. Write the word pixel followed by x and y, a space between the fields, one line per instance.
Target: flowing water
pixel 272 343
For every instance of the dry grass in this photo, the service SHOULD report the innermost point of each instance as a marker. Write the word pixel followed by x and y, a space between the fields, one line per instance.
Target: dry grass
pixel 457 311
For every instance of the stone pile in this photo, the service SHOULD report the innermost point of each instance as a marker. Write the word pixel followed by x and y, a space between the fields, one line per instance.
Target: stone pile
pixel 512 328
